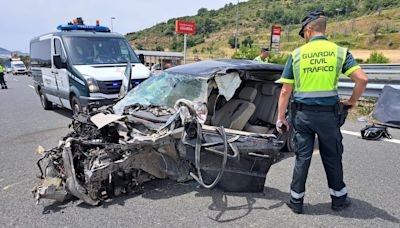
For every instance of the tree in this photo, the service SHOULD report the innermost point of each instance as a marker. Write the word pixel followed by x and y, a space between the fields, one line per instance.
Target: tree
pixel 159 48
pixel 202 11
pixel 375 29
pixel 231 42
pixel 247 42
pixel 139 46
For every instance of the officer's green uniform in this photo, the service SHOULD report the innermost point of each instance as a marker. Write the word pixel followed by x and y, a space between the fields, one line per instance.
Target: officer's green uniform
pixel 259 59
pixel 2 81
pixel 314 70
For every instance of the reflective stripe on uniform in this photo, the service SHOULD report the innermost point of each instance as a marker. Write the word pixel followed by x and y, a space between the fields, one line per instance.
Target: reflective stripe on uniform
pixel 310 94
pixel 351 70
pixel 296 67
pixel 296 195
pixel 340 193
pixel 286 80
pixel 340 61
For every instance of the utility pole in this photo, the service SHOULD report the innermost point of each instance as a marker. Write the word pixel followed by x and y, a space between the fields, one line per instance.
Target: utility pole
pixel 112 29
pixel 237 26
pixel 338 10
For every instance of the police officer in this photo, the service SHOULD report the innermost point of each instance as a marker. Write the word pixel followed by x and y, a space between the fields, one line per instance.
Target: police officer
pixel 312 72
pixel 263 57
pixel 2 81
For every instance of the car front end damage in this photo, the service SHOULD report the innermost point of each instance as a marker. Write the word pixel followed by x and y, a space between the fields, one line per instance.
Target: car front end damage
pixel 93 163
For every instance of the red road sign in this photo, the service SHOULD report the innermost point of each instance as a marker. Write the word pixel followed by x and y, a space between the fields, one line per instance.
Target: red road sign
pixel 276 30
pixel 275 38
pixel 185 27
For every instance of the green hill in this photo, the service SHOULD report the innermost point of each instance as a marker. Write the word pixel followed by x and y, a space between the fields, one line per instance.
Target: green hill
pixel 357 24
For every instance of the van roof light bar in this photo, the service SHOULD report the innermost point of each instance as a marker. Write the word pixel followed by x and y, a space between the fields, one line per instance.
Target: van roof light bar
pixel 78 24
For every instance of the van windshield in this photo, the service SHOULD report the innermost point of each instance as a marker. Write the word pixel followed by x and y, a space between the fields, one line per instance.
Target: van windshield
pixel 19 65
pixel 99 50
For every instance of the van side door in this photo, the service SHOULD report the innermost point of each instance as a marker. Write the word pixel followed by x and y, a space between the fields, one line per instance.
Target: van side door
pixel 41 64
pixel 61 74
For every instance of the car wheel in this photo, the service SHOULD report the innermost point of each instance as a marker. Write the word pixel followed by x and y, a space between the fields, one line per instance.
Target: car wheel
pixel 75 105
pixel 47 105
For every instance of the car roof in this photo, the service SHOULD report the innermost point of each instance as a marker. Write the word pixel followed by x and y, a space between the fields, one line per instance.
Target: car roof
pixel 209 68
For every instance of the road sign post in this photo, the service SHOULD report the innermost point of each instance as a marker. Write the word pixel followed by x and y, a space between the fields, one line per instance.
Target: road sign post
pixel 275 39
pixel 185 27
pixel 184 48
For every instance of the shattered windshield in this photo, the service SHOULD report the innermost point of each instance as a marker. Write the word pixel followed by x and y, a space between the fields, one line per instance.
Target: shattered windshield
pixel 164 90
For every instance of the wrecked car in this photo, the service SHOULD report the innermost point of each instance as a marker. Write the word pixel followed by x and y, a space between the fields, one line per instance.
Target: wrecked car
pixel 211 121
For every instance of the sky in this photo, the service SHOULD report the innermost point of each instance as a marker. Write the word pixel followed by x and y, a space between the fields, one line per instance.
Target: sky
pixel 21 20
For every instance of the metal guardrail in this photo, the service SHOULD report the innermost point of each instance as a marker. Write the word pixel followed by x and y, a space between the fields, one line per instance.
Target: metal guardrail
pixel 379 75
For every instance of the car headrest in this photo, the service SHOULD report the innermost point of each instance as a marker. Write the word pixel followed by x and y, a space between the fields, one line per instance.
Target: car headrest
pixel 268 89
pixel 248 94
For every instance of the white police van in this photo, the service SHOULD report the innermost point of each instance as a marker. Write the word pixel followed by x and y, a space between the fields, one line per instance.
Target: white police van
pixel 82 64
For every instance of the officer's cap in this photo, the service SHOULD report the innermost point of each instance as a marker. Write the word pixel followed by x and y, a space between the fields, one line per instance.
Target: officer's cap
pixel 264 49
pixel 314 15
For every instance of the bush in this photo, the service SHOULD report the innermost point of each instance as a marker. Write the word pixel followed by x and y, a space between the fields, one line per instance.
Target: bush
pixel 245 52
pixel 359 61
pixel 279 59
pixel 376 57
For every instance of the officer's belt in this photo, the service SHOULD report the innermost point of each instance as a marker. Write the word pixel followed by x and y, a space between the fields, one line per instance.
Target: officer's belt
pixel 318 108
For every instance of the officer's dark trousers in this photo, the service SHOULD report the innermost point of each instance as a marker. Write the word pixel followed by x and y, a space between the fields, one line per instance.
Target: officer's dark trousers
pixel 2 81
pixel 325 125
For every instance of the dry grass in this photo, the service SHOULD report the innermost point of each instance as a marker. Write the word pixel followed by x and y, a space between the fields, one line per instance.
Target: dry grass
pixel 392 55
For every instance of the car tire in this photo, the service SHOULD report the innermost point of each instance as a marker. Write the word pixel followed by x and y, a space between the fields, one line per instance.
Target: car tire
pixel 75 105
pixel 47 105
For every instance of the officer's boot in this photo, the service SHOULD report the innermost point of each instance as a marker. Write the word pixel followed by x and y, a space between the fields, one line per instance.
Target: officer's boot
pixel 296 205
pixel 340 203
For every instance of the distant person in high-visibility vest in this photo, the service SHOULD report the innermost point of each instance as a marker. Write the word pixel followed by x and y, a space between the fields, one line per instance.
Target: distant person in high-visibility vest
pixel 311 78
pixel 263 57
pixel 2 81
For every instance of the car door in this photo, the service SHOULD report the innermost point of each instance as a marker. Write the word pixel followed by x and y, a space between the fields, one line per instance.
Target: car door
pixel 61 75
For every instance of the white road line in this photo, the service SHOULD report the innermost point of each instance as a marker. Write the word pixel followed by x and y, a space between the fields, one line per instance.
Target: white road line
pixel 31 86
pixel 351 133
pixel 15 79
pixel 359 135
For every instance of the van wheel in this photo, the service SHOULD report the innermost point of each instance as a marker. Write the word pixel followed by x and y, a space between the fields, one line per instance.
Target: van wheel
pixel 47 105
pixel 75 105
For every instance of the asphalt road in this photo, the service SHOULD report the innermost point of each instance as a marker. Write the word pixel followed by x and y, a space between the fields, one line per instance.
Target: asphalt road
pixel 371 169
